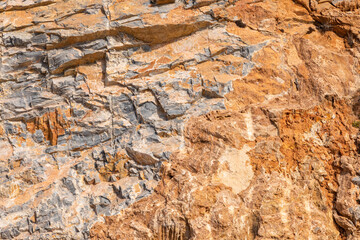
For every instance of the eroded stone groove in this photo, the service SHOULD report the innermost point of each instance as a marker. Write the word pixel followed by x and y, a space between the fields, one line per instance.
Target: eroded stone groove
pixel 179 119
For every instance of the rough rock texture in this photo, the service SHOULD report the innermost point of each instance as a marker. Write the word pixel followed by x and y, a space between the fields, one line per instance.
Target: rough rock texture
pixel 179 119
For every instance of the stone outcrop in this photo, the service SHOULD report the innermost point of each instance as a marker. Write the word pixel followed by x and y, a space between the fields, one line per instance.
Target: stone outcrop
pixel 179 119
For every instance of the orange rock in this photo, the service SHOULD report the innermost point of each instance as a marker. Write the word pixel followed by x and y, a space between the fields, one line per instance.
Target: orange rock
pixel 166 119
pixel 52 125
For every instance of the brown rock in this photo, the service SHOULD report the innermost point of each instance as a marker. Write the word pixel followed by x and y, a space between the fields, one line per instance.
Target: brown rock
pixel 166 119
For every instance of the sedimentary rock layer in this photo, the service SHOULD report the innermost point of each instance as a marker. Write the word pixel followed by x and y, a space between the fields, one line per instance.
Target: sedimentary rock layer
pixel 179 119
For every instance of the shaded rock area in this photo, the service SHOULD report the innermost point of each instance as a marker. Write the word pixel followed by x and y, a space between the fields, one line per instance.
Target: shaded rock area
pixel 179 119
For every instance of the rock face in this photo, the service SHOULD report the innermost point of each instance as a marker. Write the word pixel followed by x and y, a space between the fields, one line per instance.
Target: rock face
pixel 179 119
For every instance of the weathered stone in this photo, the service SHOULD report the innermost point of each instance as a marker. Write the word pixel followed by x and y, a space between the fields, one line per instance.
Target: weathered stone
pixel 92 177
pixel 356 180
pixel 206 119
pixel 128 188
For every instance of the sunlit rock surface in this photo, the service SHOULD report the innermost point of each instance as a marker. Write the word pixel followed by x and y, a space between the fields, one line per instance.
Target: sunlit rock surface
pixel 179 119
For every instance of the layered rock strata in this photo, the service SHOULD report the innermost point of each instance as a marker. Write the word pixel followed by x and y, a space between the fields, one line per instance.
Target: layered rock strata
pixel 192 119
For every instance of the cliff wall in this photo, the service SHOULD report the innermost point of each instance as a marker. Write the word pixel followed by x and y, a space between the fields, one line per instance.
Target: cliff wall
pixel 192 119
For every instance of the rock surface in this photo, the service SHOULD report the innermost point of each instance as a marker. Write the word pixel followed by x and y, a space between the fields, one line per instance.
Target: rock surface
pixel 179 119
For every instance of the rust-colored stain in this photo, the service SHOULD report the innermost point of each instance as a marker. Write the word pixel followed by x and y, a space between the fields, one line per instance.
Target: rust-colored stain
pixel 52 124
pixel 115 165
pixel 334 128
